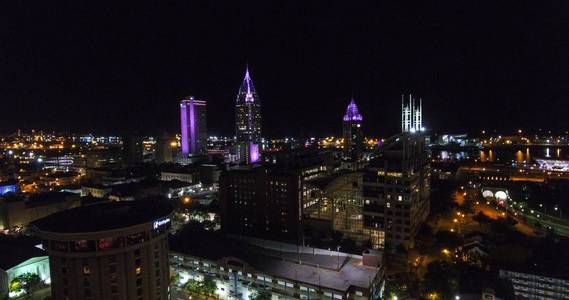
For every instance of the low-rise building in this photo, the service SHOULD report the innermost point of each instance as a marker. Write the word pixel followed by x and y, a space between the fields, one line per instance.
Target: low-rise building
pixel 189 176
pixel 18 210
pixel 241 266
pixel 17 260
pixel 536 286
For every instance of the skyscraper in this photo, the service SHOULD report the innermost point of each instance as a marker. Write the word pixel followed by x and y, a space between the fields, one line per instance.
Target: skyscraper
pixel 396 184
pixel 248 121
pixel 352 132
pixel 411 115
pixel 194 128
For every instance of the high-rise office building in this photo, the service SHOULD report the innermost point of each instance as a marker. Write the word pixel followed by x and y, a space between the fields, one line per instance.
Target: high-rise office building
pixel 194 126
pixel 352 132
pixel 248 121
pixel 396 191
pixel 113 250
pixel 397 184
pixel 411 114
pixel 261 201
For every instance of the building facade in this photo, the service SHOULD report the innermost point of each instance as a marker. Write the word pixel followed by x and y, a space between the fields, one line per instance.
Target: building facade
pixel 533 286
pixel 337 199
pixel 262 202
pixel 397 191
pixel 352 132
pixel 194 126
pixel 116 250
pixel 248 121
pixel 240 268
pixel 17 260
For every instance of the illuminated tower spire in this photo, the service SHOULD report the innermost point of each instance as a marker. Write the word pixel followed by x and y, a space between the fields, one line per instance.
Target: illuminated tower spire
pixel 248 120
pixel 411 115
pixel 352 132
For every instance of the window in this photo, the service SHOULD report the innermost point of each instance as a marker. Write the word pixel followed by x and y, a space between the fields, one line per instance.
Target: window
pixel 138 270
pixel 83 246
pixel 59 246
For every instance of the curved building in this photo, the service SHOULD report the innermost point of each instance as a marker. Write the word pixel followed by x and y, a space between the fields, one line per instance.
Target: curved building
pixel 116 250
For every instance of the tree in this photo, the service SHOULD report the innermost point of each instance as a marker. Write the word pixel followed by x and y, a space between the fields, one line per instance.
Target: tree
pixel 175 279
pixel 27 282
pixel 262 295
pixel 442 279
pixel 192 286
pixel 208 286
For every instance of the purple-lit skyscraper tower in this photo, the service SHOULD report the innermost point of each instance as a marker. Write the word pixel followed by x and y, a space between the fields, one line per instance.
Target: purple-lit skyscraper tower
pixel 248 121
pixel 352 132
pixel 194 130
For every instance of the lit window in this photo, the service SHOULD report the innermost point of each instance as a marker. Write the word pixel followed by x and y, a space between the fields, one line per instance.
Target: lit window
pixel 138 270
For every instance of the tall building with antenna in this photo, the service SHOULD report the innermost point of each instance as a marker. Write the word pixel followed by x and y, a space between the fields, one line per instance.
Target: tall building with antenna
pixel 248 121
pixel 411 114
pixel 352 132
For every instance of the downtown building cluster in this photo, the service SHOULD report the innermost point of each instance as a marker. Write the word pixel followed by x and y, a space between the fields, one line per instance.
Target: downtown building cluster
pixel 289 215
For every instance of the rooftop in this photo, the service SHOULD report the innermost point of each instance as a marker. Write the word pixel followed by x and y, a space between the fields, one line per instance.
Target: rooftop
pixel 105 216
pixel 281 260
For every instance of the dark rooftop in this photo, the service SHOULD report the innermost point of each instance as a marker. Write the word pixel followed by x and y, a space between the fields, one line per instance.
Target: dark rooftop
pixel 105 216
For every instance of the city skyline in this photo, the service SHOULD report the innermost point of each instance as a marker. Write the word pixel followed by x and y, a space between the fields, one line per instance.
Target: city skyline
pixel 79 79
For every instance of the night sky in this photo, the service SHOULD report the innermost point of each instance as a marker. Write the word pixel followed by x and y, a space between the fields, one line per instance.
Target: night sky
pixel 109 67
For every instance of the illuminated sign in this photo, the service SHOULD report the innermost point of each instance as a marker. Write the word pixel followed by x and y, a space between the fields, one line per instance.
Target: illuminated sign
pixel 160 223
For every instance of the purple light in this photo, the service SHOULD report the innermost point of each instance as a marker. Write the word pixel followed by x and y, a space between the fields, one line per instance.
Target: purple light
pixel 254 152
pixel 184 124
pixel 192 126
pixel 352 112
pixel 247 87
